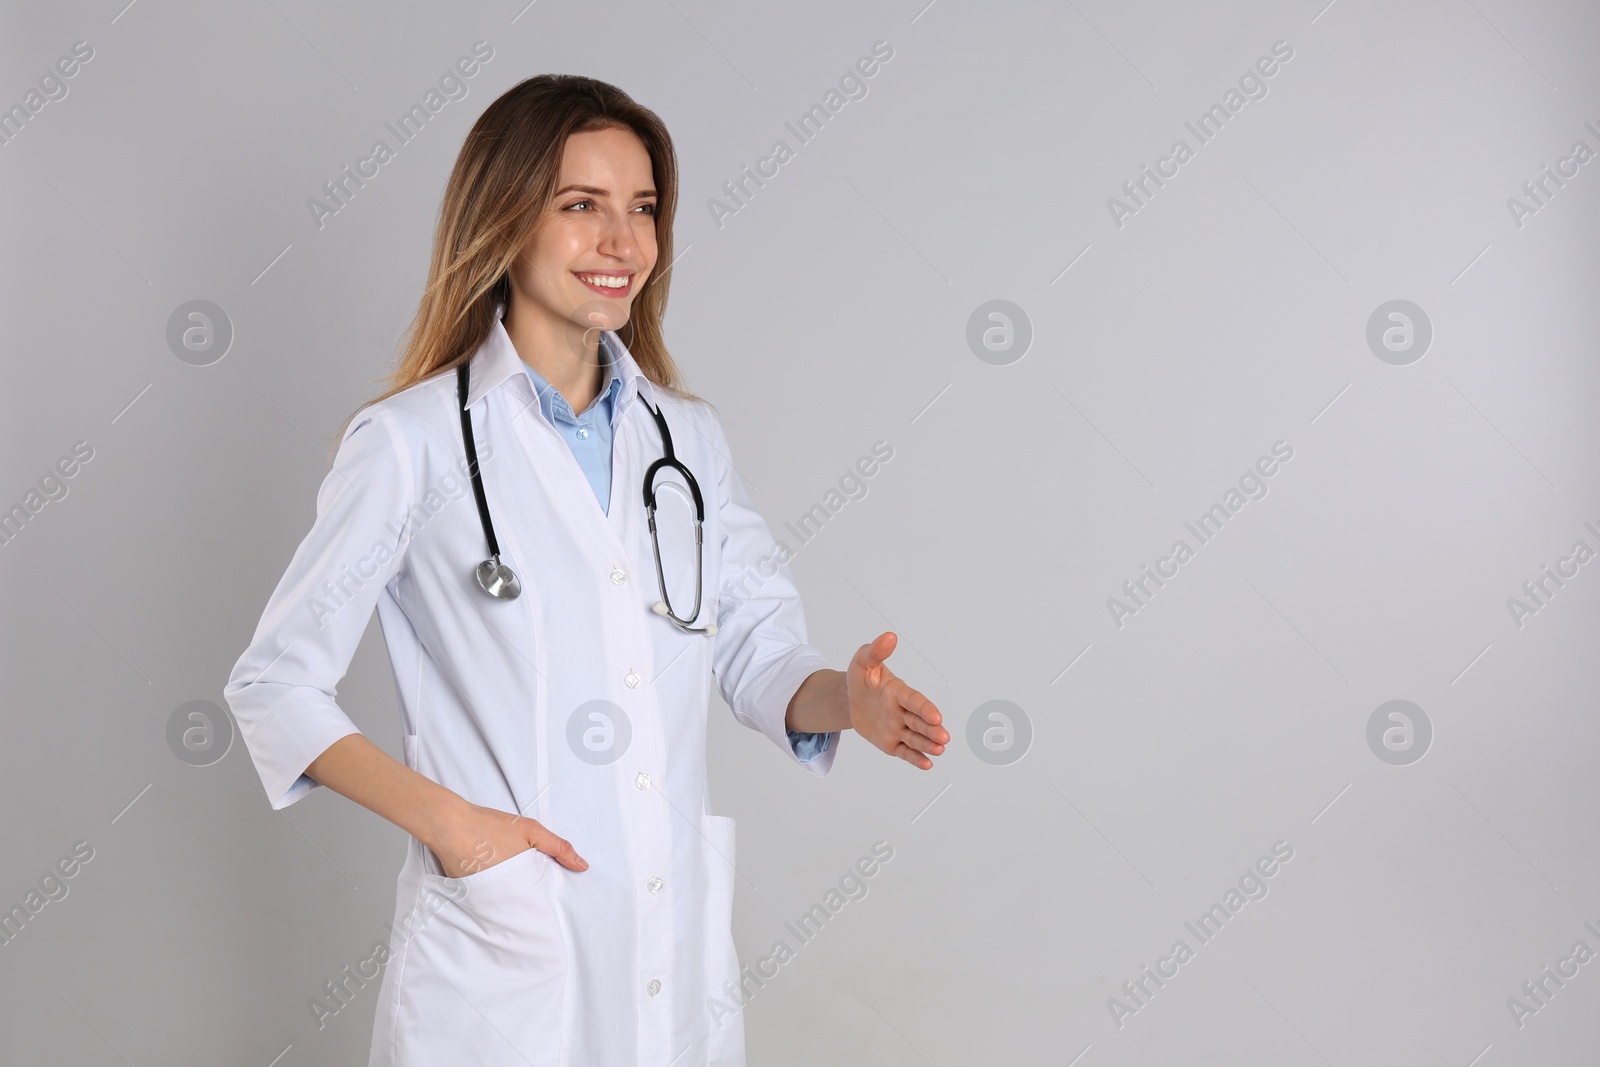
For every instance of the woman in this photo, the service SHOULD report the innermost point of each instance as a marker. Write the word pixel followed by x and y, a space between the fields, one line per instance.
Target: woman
pixel 566 897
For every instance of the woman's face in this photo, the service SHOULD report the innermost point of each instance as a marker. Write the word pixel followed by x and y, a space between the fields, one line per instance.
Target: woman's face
pixel 590 255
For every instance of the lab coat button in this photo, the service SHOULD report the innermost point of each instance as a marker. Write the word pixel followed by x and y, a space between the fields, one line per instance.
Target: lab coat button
pixel 642 780
pixel 655 885
pixel 654 987
pixel 618 575
pixel 631 679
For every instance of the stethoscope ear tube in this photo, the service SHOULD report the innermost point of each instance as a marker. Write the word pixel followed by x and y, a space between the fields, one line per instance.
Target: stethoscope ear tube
pixel 669 459
pixel 496 578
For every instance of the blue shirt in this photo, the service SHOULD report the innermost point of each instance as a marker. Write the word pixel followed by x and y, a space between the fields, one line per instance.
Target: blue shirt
pixel 589 437
pixel 589 434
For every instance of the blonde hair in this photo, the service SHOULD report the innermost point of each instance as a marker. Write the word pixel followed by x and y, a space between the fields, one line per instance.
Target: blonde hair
pixel 503 180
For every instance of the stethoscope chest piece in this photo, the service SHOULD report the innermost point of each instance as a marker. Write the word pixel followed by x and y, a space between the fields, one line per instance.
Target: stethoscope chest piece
pixel 498 580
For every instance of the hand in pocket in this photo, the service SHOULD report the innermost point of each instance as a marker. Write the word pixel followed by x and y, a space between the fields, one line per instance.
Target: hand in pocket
pixel 474 838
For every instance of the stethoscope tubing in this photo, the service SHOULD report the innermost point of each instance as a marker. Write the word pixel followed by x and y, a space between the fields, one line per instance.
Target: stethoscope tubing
pixel 498 579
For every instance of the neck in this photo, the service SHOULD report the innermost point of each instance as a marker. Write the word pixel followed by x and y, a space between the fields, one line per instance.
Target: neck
pixel 566 355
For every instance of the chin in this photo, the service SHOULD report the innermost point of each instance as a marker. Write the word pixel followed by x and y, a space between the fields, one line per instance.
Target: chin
pixel 603 315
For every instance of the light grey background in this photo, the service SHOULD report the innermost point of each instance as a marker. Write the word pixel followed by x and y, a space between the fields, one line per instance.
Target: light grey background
pixel 831 312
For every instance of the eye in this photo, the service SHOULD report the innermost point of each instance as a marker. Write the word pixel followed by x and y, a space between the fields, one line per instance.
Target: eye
pixel 650 207
pixel 579 203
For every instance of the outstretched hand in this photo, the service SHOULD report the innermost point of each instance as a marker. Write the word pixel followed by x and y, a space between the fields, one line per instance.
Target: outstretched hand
pixel 888 712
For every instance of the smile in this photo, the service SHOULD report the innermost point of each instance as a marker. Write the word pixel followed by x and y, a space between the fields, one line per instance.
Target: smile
pixel 609 284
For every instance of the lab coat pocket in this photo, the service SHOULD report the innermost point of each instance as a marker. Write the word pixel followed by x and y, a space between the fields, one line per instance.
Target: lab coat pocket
pixel 722 992
pixel 485 978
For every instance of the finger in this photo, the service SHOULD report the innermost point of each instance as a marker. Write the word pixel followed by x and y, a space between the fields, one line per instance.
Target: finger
pixel 878 649
pixel 921 743
pixel 920 706
pixel 922 714
pixel 913 757
pixel 926 729
pixel 557 848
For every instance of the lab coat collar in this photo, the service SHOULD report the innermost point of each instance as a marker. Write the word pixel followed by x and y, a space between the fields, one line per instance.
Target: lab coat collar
pixel 497 362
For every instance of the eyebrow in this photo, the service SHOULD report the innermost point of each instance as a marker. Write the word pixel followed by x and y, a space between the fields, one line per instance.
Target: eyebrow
pixel 593 191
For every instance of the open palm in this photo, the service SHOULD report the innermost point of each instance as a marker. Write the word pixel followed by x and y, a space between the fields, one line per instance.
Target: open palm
pixel 888 712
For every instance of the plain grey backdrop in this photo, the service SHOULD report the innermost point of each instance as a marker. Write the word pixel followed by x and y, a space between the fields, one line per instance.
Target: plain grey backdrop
pixel 1158 341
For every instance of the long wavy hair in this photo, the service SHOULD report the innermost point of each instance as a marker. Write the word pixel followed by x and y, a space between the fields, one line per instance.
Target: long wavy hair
pixel 499 190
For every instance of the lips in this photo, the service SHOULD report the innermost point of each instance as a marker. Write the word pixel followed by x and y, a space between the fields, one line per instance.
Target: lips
pixel 607 283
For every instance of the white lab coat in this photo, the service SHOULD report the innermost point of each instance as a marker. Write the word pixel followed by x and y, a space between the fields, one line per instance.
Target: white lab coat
pixel 525 962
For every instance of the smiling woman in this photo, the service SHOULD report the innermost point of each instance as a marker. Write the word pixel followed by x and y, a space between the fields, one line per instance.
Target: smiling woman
pixel 599 240
pixel 570 696
pixel 531 197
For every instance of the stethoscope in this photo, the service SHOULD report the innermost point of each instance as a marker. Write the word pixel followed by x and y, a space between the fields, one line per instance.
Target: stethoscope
pixel 500 581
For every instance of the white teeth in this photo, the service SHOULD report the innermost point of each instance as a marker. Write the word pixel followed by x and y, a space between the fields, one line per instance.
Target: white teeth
pixel 605 281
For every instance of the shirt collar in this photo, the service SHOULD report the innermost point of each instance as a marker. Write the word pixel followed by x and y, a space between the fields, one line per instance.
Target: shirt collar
pixel 553 405
pixel 496 362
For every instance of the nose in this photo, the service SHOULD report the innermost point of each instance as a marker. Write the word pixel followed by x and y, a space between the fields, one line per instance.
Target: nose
pixel 617 237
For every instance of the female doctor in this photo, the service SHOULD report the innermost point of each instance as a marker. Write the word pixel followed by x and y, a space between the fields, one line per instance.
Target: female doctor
pixel 552 615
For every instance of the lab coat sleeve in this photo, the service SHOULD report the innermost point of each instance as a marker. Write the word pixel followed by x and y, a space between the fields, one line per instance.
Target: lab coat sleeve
pixel 281 690
pixel 760 655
